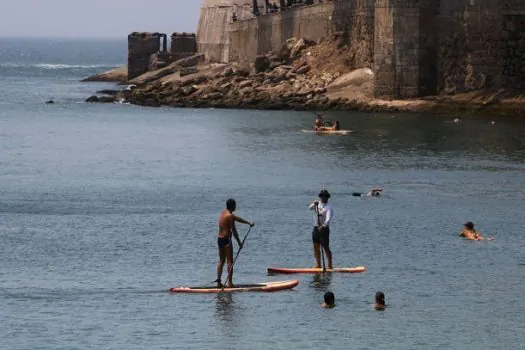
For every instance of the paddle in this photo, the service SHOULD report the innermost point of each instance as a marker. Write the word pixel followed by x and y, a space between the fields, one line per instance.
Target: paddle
pixel 319 225
pixel 236 256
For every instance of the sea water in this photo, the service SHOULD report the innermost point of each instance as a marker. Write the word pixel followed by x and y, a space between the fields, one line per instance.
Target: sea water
pixel 103 207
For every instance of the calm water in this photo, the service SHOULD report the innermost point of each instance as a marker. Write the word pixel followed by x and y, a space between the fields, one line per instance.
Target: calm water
pixel 104 207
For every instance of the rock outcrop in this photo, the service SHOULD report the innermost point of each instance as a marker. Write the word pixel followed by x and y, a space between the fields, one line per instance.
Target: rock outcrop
pixel 283 80
pixel 303 75
pixel 119 75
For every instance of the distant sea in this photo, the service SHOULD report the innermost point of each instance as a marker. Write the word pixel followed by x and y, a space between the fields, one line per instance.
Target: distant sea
pixel 103 207
pixel 32 70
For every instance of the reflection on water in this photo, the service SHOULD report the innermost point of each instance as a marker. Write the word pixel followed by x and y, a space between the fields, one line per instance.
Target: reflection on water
pixel 322 281
pixel 224 307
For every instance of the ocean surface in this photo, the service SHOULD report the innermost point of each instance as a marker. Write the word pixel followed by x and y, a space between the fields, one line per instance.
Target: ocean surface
pixel 103 207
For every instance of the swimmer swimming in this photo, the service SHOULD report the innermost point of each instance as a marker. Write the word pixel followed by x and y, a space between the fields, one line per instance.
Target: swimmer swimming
pixel 380 301
pixel 375 192
pixel 329 300
pixel 471 234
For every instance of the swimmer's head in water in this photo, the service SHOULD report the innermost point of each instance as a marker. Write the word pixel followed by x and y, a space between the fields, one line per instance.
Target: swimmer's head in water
pixel 329 298
pixel 469 225
pixel 380 298
pixel 231 205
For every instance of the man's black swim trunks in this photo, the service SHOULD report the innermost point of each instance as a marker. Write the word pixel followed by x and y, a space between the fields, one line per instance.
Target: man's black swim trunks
pixel 223 241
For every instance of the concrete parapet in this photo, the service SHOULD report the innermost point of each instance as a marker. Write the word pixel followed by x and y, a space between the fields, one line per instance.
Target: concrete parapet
pixel 140 48
pixel 182 45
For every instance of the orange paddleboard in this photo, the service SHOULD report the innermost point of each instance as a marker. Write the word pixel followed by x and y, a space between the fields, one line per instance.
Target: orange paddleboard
pixel 316 270
pixel 257 287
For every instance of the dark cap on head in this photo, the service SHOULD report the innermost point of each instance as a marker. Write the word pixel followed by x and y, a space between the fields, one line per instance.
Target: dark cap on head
pixel 324 193
pixel 469 225
pixel 231 204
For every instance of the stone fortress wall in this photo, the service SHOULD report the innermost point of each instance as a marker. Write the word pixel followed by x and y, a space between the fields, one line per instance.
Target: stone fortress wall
pixel 149 51
pixel 415 47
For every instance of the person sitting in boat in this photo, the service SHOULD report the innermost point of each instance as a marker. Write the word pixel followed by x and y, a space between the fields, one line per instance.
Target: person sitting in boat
pixel 380 301
pixel 319 122
pixel 335 127
pixel 329 300
pixel 375 192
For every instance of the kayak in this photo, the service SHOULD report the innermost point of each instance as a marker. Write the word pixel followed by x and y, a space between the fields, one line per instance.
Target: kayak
pixel 335 132
pixel 256 287
pixel 316 270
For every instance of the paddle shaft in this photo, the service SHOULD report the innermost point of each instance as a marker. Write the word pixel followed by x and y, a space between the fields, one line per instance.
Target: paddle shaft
pixel 318 226
pixel 236 256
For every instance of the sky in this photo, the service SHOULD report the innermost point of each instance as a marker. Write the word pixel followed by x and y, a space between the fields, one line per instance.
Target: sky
pixel 96 18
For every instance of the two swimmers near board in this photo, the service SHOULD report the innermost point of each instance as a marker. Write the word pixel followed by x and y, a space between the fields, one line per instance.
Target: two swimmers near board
pixel 329 301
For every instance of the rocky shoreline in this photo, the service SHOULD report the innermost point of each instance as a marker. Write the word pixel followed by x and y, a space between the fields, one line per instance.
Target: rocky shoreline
pixel 290 79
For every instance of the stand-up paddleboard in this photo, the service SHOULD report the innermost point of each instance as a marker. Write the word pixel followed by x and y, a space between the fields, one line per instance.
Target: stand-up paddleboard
pixel 329 132
pixel 257 287
pixel 316 270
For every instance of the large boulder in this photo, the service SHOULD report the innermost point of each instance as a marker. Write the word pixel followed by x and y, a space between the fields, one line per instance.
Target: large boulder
pixel 299 46
pixel 303 70
pixel 261 63
pixel 286 48
pixel 188 71
pixel 228 72
pixel 108 92
pixel 245 83
pixel 92 99
pixel 190 61
pixel 107 99
pixel 357 78
pixel 279 73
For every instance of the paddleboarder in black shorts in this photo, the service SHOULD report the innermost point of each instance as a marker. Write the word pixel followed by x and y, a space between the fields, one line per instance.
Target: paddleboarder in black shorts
pixel 227 229
pixel 321 231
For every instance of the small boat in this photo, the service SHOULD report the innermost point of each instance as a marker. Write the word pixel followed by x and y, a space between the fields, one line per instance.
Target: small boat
pixel 256 287
pixel 328 132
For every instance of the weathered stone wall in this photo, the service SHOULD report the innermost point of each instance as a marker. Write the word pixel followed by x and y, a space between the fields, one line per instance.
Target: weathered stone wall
pixel 469 55
pixel 481 45
pixel 355 19
pixel 513 46
pixel 262 34
pixel 216 16
pixel 140 48
pixel 183 44
pixel 415 47
pixel 405 48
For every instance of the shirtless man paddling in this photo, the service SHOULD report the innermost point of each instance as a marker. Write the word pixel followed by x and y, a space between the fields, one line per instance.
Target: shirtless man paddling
pixel 224 241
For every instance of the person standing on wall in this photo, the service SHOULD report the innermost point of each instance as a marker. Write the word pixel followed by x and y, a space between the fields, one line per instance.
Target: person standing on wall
pixel 321 232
